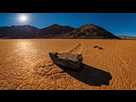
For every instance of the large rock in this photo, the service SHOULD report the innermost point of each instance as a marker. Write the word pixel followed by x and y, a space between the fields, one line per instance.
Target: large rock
pixel 72 61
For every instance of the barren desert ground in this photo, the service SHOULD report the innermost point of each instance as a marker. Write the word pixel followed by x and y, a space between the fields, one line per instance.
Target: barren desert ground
pixel 25 64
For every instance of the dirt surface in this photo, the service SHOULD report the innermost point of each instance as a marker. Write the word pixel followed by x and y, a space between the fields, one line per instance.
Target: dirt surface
pixel 107 65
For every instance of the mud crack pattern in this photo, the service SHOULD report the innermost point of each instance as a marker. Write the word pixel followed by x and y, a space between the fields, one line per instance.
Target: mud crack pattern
pixel 26 65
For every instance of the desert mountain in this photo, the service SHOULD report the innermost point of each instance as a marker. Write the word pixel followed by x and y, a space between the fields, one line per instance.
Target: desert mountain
pixel 54 31
pixel 125 37
pixel 90 31
pixel 9 31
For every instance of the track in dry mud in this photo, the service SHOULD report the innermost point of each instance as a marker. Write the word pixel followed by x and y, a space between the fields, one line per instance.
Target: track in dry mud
pixel 25 65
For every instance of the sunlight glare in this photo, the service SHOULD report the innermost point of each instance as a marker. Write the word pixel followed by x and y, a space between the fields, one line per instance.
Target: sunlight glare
pixel 23 18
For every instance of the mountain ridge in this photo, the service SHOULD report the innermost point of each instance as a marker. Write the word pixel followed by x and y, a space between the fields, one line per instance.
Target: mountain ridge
pixel 125 37
pixel 7 31
pixel 87 31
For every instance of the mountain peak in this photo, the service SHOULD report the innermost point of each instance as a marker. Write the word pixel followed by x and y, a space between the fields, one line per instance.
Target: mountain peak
pixel 55 24
pixel 91 31
pixel 54 30
pixel 89 26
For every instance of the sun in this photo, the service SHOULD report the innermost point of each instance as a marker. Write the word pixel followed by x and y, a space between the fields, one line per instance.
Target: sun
pixel 23 18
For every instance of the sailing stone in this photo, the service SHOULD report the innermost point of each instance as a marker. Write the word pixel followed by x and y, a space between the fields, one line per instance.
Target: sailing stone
pixel 72 61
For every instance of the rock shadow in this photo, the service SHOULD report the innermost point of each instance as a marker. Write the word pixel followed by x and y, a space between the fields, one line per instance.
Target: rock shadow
pixel 90 75
pixel 98 47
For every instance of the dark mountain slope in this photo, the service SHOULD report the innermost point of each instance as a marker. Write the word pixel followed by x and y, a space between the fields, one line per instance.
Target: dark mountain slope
pixel 24 35
pixel 90 31
pixel 54 30
pixel 10 31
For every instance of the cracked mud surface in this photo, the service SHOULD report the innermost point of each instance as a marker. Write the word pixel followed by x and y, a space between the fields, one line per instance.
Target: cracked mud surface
pixel 26 65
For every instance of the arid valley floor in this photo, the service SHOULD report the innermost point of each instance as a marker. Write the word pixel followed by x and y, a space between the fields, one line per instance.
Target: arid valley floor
pixel 25 64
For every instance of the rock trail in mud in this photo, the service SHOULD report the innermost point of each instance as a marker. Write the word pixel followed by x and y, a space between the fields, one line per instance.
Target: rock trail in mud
pixel 32 69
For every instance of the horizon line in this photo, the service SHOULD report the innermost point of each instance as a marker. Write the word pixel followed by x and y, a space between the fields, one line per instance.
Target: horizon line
pixel 65 25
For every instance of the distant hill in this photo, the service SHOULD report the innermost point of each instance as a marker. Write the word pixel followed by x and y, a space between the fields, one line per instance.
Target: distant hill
pixel 133 38
pixel 10 31
pixel 54 31
pixel 88 31
pixel 125 37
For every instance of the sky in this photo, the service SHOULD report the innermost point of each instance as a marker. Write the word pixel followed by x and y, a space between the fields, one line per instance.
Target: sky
pixel 116 23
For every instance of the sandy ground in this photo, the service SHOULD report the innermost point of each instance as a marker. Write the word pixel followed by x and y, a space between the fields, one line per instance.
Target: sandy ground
pixel 26 65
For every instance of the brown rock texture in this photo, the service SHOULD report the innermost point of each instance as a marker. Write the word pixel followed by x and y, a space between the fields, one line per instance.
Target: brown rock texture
pixel 90 31
pixel 26 65
pixel 72 61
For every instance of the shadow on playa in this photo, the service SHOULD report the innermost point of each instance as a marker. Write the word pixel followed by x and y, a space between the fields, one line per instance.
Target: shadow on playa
pixel 90 75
